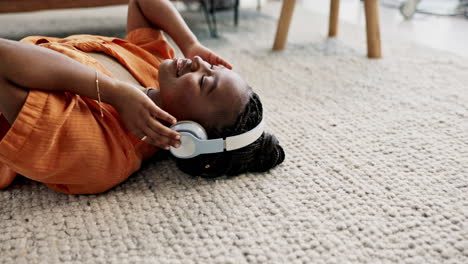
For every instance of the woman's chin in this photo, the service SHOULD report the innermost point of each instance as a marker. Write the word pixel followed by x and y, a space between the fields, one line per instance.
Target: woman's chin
pixel 167 67
pixel 164 73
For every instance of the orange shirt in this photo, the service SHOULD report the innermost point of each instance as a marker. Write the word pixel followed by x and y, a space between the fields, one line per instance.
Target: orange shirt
pixel 61 140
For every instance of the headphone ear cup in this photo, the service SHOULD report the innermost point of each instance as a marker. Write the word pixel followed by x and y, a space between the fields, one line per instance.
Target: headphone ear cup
pixel 187 147
pixel 191 127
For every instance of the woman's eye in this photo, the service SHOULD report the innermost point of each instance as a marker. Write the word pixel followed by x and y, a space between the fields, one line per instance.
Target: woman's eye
pixel 202 80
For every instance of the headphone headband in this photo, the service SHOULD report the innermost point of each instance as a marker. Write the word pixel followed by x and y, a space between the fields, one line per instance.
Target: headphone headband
pixel 244 139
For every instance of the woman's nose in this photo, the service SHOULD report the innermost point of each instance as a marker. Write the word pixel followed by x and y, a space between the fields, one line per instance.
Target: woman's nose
pixel 199 63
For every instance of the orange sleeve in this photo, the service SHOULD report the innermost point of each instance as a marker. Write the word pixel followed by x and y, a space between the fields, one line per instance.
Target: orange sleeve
pixel 153 41
pixel 60 140
pixel 7 175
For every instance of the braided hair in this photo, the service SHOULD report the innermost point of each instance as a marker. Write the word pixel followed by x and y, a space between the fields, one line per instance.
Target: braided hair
pixel 260 156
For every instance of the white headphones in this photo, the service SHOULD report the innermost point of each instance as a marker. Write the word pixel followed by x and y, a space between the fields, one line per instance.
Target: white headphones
pixel 194 140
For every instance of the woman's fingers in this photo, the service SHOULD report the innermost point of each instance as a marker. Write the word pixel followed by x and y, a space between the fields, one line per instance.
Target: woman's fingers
pixel 162 115
pixel 159 128
pixel 216 60
pixel 223 62
pixel 141 135
pixel 159 140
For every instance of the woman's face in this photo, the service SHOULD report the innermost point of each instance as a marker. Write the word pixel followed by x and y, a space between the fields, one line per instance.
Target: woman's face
pixel 195 90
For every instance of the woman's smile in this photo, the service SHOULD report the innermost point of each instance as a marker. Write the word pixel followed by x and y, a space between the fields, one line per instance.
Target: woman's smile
pixel 182 66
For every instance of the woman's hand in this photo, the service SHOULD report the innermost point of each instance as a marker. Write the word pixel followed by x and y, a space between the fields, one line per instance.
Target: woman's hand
pixel 143 117
pixel 206 54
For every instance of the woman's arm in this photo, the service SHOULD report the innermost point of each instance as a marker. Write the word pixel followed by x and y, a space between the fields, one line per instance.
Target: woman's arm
pixel 26 66
pixel 33 67
pixel 161 14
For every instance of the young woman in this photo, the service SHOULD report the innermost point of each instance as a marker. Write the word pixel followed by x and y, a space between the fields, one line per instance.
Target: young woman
pixel 80 114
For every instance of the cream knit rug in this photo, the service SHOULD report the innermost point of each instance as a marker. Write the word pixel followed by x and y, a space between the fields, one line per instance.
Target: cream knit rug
pixel 376 167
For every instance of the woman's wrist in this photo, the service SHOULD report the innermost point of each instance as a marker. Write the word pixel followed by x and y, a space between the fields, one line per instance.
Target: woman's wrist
pixel 117 92
pixel 188 46
pixel 107 88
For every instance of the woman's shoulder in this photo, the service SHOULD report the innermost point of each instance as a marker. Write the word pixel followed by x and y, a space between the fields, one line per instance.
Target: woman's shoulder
pixel 153 41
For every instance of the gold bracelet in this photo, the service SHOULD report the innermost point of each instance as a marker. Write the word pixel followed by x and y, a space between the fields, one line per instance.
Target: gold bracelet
pixel 99 94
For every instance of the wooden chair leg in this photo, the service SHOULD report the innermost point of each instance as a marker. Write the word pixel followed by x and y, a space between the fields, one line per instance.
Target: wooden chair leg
pixel 210 18
pixel 373 28
pixel 236 13
pixel 333 23
pixel 283 24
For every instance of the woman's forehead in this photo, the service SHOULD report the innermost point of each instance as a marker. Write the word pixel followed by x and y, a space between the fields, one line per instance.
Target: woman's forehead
pixel 232 95
pixel 232 79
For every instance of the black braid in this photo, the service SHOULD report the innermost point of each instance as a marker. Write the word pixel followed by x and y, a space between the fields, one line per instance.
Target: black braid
pixel 262 155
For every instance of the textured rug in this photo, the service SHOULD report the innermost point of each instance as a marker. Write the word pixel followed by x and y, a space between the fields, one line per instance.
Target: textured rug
pixel 376 167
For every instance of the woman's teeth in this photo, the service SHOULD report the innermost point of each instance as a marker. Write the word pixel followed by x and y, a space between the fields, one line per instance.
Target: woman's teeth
pixel 181 65
pixel 178 63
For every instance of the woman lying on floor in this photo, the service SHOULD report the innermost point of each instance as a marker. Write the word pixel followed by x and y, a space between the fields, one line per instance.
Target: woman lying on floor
pixel 83 122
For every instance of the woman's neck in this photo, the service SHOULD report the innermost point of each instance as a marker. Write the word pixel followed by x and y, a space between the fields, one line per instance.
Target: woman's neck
pixel 155 96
